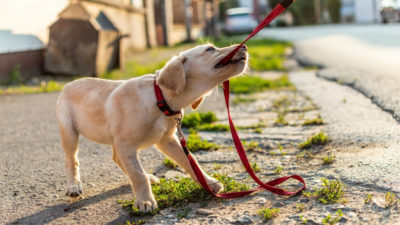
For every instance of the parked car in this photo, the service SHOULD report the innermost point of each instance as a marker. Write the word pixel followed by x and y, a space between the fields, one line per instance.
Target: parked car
pixel 239 20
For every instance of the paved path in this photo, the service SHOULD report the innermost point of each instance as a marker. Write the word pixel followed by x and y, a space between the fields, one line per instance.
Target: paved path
pixel 365 57
pixel 367 137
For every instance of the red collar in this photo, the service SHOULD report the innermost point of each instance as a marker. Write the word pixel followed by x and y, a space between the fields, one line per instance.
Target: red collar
pixel 161 103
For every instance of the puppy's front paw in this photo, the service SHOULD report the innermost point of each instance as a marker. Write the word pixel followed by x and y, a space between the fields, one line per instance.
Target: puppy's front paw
pixel 146 204
pixel 74 190
pixel 215 185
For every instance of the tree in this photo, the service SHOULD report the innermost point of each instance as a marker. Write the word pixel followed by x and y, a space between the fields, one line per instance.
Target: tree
pixel 334 10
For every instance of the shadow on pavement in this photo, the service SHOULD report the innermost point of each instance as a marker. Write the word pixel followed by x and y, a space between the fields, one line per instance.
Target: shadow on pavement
pixel 56 211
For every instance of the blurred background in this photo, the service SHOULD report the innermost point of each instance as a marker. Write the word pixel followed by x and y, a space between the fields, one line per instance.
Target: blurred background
pixel 95 37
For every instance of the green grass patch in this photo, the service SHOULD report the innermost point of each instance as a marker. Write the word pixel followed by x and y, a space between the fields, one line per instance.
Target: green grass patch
pixel 330 192
pixel 251 146
pixel 134 68
pixel 265 54
pixel 332 220
pixel 253 84
pixel 195 119
pixel 243 99
pixel 268 214
pixel 328 159
pixel 196 143
pixel 213 127
pixel 319 139
pixel 314 122
pixel 44 87
pixel 203 121
pixel 169 163
pixel 169 193
pixel 136 222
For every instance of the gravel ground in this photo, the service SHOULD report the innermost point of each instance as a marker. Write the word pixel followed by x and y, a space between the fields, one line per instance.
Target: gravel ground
pixel 32 164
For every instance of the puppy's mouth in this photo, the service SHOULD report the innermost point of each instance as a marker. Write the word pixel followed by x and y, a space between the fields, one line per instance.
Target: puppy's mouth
pixel 232 61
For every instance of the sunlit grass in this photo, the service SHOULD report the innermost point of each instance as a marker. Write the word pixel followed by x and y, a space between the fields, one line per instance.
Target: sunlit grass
pixel 253 84
pixel 44 87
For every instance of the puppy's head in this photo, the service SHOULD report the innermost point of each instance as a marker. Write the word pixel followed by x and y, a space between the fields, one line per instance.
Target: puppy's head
pixel 194 72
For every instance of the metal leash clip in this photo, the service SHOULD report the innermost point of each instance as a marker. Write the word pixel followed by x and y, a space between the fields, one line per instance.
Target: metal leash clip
pixel 179 126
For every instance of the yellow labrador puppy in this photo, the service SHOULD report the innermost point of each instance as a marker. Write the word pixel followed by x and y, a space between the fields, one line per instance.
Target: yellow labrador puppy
pixel 124 114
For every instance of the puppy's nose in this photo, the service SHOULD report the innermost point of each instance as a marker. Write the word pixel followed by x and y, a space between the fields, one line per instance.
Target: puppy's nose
pixel 244 47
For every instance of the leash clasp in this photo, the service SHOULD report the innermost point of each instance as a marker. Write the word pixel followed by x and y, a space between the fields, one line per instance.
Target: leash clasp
pixel 178 119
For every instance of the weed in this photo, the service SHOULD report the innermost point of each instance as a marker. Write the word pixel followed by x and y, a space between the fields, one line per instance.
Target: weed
pixel 278 169
pixel 258 130
pixel 319 139
pixel 169 163
pixel 344 100
pixel 254 84
pixel 302 219
pixel 198 118
pixel 196 143
pixel 268 214
pixel 282 102
pixel 330 192
pixel 304 154
pixel 280 147
pixel 280 120
pixel 184 213
pixel 250 146
pixel 241 99
pixel 314 122
pixel 368 199
pixel 390 199
pixel 255 167
pixel 178 193
pixel 137 222
pixel 328 159
pixel 300 207
pixel 217 166
pixel 330 220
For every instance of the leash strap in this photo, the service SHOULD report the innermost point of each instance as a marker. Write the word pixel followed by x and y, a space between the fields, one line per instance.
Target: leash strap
pixel 282 6
pixel 269 186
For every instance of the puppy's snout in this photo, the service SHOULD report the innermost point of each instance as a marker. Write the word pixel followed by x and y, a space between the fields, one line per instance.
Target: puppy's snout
pixel 243 47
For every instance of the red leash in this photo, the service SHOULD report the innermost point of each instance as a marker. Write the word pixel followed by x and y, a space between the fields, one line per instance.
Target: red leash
pixel 269 186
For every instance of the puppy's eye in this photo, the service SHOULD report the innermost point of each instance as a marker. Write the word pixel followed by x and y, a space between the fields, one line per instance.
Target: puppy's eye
pixel 210 49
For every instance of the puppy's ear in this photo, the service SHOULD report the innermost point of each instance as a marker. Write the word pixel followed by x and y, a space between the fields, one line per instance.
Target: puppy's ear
pixel 172 76
pixel 195 105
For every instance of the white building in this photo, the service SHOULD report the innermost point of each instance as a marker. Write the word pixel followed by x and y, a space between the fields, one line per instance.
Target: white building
pixel 361 11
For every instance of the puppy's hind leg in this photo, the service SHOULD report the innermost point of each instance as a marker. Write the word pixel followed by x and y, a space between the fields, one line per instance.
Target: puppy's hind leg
pixel 69 140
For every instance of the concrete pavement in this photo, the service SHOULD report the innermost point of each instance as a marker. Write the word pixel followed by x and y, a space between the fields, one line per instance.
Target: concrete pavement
pixel 365 57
